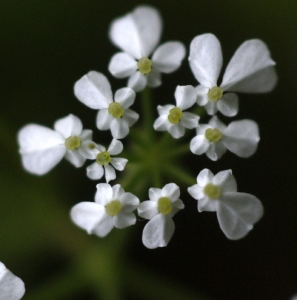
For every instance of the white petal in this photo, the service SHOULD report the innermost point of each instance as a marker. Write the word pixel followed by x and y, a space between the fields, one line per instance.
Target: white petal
pixel 148 209
pixel 237 213
pixel 251 59
pixel 137 82
pixel 202 128
pixel 74 157
pixel 155 194
pixel 129 202
pixel 206 59
pixel 86 134
pixel 117 192
pixel 87 215
pixel 228 104
pixel 171 190
pixel 137 33
pixel 125 96
pixel 110 173
pixel 87 152
pixel 196 191
pixel 185 96
pixel 122 65
pixel 215 122
pixel 119 163
pixel 104 193
pixel 199 144
pixel 168 57
pixel 207 204
pixel 154 78
pixel 123 220
pixel 104 226
pixel 93 90
pixel 164 109
pixel 204 177
pixel 242 137
pixel 202 98
pixel 103 119
pixel 211 107
pixel 41 148
pixel 161 123
pixel 216 151
pixel 69 126
pixel 119 128
pixel 115 147
pixel 189 120
pixel 176 130
pixel 158 232
pixel 226 181
pixel 130 116
pixel 95 171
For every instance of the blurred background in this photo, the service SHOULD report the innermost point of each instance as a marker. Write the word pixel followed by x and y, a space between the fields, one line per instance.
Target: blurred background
pixel 46 46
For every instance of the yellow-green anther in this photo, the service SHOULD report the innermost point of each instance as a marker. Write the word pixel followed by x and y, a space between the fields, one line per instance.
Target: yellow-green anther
pixel 115 110
pixel 72 143
pixel 164 205
pixel 215 93
pixel 213 135
pixel 212 191
pixel 175 114
pixel 144 65
pixel 103 158
pixel 113 208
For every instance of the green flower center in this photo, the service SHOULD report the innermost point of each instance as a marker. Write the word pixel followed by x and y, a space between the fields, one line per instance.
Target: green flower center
pixel 115 110
pixel 103 158
pixel 215 93
pixel 113 208
pixel 91 146
pixel 213 135
pixel 212 191
pixel 144 65
pixel 164 205
pixel 72 143
pixel 175 114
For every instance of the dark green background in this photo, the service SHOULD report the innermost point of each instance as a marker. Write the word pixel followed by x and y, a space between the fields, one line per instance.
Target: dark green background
pixel 47 45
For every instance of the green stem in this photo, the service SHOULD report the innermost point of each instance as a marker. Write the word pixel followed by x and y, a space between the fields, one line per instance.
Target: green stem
pixel 180 174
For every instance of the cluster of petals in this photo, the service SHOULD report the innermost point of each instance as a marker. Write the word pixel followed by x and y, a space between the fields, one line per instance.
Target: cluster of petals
pixel 185 98
pixel 236 212
pixel 94 90
pixel 11 286
pixel 112 208
pixel 240 137
pixel 105 163
pixel 42 148
pixel 137 34
pixel 251 70
pixel 159 230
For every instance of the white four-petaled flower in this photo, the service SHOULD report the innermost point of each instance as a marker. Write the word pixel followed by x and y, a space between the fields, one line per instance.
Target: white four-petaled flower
pixel 214 138
pixel 11 286
pixel 112 208
pixel 236 212
pixel 251 70
pixel 163 205
pixel 94 90
pixel 42 148
pixel 138 34
pixel 172 118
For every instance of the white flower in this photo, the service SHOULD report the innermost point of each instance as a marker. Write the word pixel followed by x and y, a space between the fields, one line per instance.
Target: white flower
pixel 236 212
pixel 138 34
pixel 240 137
pixel 163 205
pixel 172 118
pixel 42 148
pixel 11 286
pixel 94 90
pixel 104 161
pixel 112 208
pixel 249 71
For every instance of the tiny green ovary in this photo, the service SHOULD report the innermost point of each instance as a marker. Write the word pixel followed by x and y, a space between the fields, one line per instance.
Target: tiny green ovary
pixel 72 143
pixel 215 93
pixel 144 65
pixel 213 135
pixel 116 110
pixel 175 114
pixel 113 208
pixel 212 191
pixel 91 146
pixel 103 158
pixel 164 205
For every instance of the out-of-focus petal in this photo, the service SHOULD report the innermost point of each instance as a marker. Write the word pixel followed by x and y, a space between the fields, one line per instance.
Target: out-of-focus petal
pixel 199 144
pixel 206 204
pixel 171 190
pixel 176 130
pixel 69 126
pixel 155 194
pixel 226 181
pixel 185 96
pixel 154 78
pixel 228 104
pixel 137 82
pixel 215 122
pixel 148 209
pixel 95 171
pixel 216 151
pixel 196 191
pixel 125 96
pixel 204 177
pixel 123 220
pixel 119 128
pixel 103 119
pixel 202 97
pixel 189 120
pixel 104 226
pixel 129 201
pixel 115 147
pixel 211 108
pixel 110 173
pixel 118 163
pixel 74 157
pixel 122 65
pixel 130 116
pixel 104 193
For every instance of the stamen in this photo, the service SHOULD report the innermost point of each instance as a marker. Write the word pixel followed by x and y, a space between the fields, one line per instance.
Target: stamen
pixel 175 114
pixel 213 135
pixel 103 158
pixel 215 93
pixel 212 191
pixel 164 205
pixel 113 208
pixel 115 110
pixel 144 65
pixel 72 143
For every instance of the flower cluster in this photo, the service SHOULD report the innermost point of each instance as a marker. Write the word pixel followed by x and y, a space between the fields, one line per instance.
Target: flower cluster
pixel 137 35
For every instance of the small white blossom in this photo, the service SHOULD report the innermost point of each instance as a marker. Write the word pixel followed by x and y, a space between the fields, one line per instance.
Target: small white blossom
pixel 112 208
pixel 214 138
pixel 94 90
pixel 42 148
pixel 11 286
pixel 163 205
pixel 251 70
pixel 104 161
pixel 138 34
pixel 172 118
pixel 236 212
